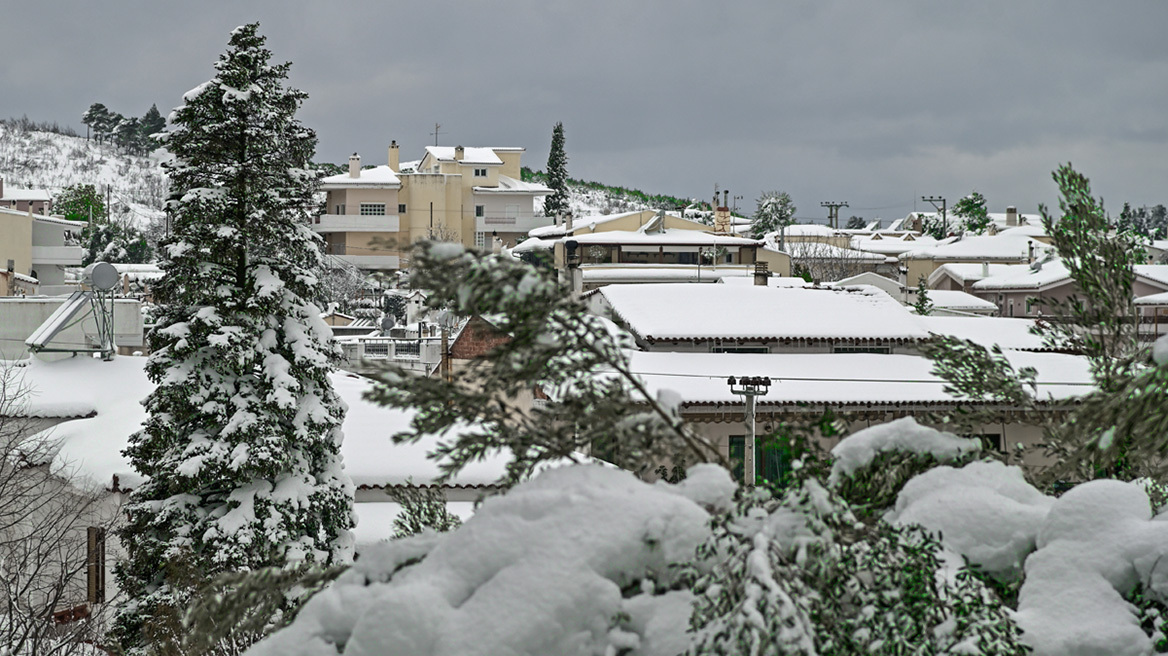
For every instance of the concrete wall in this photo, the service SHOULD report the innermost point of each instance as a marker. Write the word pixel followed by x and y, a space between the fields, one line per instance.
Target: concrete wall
pixel 20 317
pixel 15 243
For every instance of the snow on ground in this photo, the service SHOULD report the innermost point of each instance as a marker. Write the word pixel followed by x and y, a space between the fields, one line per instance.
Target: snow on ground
pixel 538 570
pixel 44 160
pixel 102 402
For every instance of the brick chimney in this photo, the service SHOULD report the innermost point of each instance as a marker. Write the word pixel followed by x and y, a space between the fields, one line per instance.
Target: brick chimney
pixel 394 157
pixel 354 165
pixel 1011 216
pixel 459 152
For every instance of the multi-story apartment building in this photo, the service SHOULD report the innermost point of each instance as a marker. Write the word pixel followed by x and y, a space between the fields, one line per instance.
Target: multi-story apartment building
pixel 34 251
pixel 467 195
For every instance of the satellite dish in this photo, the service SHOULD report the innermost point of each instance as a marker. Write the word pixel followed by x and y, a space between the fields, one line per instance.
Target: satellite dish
pixel 102 276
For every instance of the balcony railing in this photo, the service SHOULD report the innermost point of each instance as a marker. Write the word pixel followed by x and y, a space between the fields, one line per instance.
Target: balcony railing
pixel 356 223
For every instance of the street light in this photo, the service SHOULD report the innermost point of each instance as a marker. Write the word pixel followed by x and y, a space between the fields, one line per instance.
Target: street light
pixel 749 387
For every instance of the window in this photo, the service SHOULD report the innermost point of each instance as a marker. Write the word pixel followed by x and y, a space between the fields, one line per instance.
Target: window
pixel 401 208
pixel 372 209
pixel 341 208
pixel 480 211
pixel 480 240
pixel 739 349
pixel 480 173
pixel 861 349
pixel 772 461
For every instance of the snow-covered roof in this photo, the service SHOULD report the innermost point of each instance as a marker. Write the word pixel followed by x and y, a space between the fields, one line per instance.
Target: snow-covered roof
pixel 1008 333
pixel 808 230
pixel 26 194
pixel 891 245
pixel 1026 276
pixel 59 221
pixel 1153 272
pixel 103 398
pixel 485 156
pixel 836 378
pixel 1029 230
pixel 376 176
pixel 579 223
pixel 609 274
pixel 666 312
pixel 508 185
pixel 666 237
pixel 964 272
pixel 772 281
pixel 1014 248
pixel 824 251
pixel 1153 299
pixel 951 299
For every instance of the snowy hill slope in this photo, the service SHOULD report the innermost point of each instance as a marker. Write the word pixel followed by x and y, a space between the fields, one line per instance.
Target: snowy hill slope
pixel 31 159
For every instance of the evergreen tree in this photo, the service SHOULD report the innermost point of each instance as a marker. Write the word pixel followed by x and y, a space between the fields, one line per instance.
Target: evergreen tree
pixel 113 241
pixel 151 124
pixel 775 212
pixel 94 117
pixel 923 305
pixel 855 223
pixel 240 450
pixel 557 175
pixel 79 202
pixel 128 134
pixel 972 212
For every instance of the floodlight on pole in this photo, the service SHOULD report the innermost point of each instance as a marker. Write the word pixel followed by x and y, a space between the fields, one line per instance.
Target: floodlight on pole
pixel 749 387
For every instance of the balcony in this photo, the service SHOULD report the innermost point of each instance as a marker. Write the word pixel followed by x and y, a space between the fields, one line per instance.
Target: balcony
pixel 61 255
pixel 356 223
pixel 495 223
pixel 371 262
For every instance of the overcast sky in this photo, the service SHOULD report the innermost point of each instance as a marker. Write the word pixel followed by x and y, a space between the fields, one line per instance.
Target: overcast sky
pixel 873 103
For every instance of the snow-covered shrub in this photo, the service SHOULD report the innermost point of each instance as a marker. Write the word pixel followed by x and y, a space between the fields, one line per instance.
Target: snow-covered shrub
pixel 422 509
pixel 578 560
pixel 800 575
pixel 985 511
pixel 872 465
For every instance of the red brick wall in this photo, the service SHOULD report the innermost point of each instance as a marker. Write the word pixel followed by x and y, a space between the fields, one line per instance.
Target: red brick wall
pixel 476 339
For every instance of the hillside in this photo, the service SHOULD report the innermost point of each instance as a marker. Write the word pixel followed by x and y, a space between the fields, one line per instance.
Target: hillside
pixel 589 198
pixel 33 158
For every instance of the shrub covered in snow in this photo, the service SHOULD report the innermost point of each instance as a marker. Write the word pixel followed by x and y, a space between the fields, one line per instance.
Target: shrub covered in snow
pixel 581 559
pixel 871 466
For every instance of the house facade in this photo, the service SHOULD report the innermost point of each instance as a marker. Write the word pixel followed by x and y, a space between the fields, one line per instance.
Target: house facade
pixel 467 195
pixel 38 247
pixel 39 201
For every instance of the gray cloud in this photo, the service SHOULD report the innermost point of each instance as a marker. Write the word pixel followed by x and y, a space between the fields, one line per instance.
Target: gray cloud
pixel 874 103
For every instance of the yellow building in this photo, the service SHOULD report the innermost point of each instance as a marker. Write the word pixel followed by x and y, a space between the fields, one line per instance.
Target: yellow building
pixel 466 195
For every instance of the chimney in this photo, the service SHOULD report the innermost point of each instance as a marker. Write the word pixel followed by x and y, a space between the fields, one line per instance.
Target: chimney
pixel 761 273
pixel 568 223
pixel 354 165
pixel 459 151
pixel 985 270
pixel 394 157
pixel 1011 216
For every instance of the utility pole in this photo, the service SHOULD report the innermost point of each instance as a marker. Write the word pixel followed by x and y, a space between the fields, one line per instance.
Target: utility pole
pixel 749 387
pixel 436 133
pixel 833 211
pixel 944 218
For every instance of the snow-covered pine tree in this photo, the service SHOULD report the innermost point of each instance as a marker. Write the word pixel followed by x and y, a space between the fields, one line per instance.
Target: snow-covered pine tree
pixel 557 174
pixel 775 212
pixel 241 446
pixel 971 210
